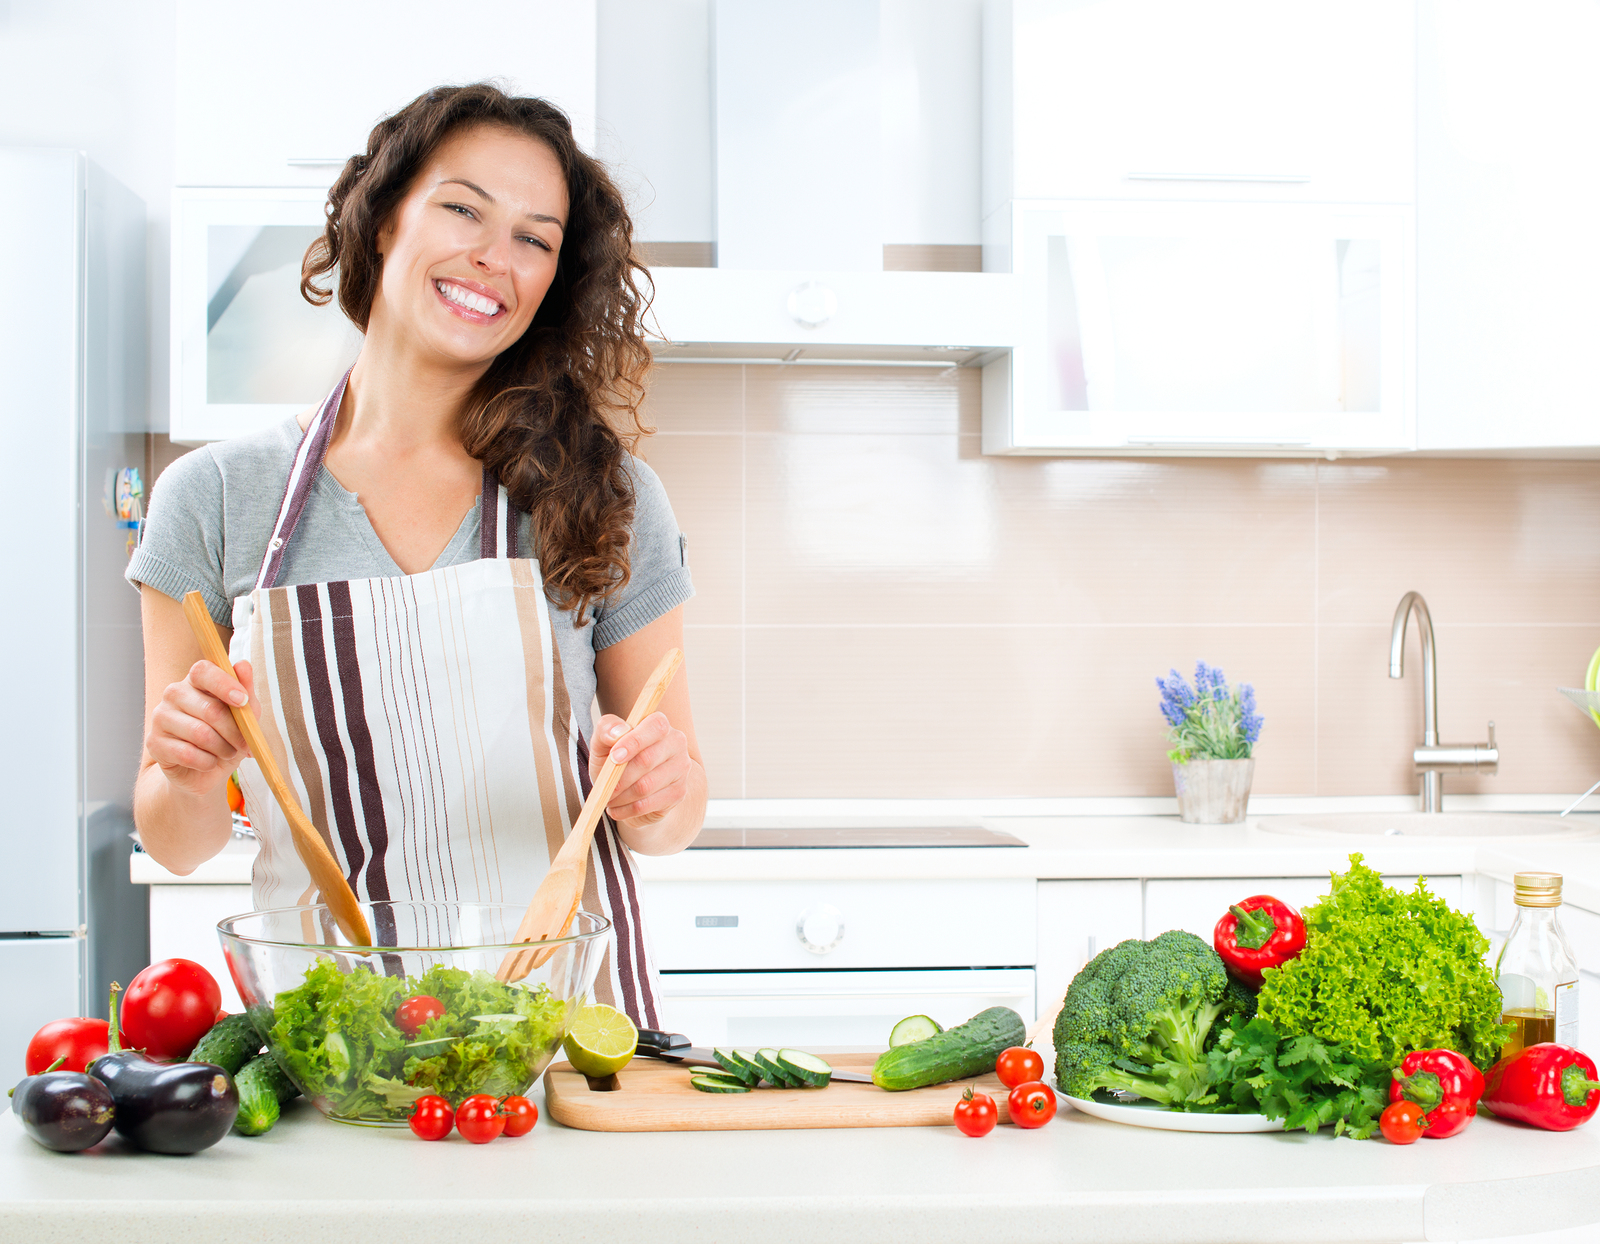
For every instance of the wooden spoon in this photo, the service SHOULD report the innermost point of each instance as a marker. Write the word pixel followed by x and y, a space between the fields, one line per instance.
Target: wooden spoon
pixel 314 853
pixel 555 902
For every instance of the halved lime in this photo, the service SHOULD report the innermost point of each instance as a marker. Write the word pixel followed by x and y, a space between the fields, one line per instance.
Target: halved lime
pixel 600 1040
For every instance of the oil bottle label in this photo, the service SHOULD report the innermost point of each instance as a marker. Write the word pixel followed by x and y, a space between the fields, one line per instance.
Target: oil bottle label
pixel 1567 1013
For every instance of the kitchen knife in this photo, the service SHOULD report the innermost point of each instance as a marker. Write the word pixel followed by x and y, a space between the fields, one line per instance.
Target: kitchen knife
pixel 674 1047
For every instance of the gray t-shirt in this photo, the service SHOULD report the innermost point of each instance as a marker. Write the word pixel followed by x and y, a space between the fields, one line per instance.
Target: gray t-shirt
pixel 213 510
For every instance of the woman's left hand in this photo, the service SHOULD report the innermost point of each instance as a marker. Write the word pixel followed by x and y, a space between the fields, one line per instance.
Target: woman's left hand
pixel 656 756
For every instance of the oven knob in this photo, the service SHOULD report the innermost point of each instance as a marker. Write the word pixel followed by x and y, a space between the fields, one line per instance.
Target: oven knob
pixel 820 929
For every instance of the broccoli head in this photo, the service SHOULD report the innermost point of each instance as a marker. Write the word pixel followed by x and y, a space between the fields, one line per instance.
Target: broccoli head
pixel 1139 1017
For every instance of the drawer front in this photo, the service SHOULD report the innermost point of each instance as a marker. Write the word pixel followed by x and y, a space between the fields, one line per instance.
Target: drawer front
pixel 845 1010
pixel 758 925
pixel 1197 904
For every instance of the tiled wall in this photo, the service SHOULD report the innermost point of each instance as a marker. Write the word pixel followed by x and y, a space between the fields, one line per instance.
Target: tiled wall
pixel 883 611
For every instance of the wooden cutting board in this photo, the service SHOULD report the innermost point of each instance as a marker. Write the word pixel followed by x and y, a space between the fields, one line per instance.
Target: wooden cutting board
pixel 654 1096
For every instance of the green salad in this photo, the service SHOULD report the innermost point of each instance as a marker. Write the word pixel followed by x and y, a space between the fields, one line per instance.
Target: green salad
pixel 336 1035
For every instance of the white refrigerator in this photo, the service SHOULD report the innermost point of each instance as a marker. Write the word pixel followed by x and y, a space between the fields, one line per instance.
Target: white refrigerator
pixel 73 356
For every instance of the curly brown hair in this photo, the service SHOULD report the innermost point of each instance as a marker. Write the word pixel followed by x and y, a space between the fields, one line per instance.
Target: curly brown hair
pixel 555 414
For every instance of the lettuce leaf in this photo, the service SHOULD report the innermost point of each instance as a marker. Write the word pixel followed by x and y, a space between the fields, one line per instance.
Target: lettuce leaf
pixel 335 1035
pixel 1385 972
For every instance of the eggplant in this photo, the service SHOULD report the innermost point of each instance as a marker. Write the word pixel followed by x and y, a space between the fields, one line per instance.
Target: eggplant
pixel 63 1110
pixel 168 1107
pixel 165 1107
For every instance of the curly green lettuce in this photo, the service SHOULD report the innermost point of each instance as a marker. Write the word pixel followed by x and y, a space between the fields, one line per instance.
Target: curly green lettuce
pixel 1385 972
pixel 335 1035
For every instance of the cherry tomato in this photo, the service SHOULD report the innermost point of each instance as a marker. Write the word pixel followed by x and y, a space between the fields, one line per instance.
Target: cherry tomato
pixel 1402 1122
pixel 415 1012
pixel 169 1007
pixel 480 1118
pixel 432 1118
pixel 1019 1065
pixel 976 1113
pixel 78 1041
pixel 521 1115
pixel 1032 1105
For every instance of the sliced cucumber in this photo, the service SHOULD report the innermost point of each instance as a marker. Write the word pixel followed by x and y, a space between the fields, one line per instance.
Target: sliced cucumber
pixel 810 1070
pixel 743 1072
pixel 338 1051
pixel 754 1069
pixel 913 1028
pixel 722 1078
pixel 718 1084
pixel 430 1048
pixel 767 1060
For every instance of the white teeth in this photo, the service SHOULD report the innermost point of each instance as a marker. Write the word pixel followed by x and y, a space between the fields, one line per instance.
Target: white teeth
pixel 466 298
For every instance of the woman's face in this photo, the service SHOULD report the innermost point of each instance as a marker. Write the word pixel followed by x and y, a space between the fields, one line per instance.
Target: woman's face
pixel 471 249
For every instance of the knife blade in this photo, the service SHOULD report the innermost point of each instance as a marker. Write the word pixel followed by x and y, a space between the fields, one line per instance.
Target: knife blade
pixel 674 1047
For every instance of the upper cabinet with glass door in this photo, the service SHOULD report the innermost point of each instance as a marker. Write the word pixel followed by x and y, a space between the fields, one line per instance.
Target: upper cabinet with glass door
pixel 1208 209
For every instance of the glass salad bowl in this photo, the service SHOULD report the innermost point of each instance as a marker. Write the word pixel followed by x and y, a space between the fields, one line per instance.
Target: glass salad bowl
pixel 364 1031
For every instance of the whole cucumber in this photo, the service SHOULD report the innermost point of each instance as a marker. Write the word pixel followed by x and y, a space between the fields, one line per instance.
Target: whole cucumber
pixel 263 1088
pixel 231 1043
pixel 968 1049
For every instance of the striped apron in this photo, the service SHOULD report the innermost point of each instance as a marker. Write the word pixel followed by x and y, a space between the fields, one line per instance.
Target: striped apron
pixel 425 726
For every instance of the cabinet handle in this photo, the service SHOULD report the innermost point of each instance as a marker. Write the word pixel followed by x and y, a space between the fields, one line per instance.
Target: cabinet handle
pixel 316 162
pixel 1220 442
pixel 863 994
pixel 1287 179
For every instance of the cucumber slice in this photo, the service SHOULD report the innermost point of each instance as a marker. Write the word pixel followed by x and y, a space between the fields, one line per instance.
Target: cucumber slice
pixel 746 1074
pixel 753 1069
pixel 775 1075
pixel 717 1084
pixel 913 1028
pixel 722 1078
pixel 430 1048
pixel 810 1070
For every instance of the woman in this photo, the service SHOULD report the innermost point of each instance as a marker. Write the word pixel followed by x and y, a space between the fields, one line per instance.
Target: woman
pixel 426 684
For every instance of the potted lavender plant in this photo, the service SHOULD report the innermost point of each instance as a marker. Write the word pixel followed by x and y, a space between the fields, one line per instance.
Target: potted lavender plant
pixel 1213 732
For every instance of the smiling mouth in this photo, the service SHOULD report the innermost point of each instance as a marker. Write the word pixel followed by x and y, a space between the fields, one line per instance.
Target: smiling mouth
pixel 468 300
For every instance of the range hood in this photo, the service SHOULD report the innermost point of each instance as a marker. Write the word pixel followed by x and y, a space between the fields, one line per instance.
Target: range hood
pixel 797 119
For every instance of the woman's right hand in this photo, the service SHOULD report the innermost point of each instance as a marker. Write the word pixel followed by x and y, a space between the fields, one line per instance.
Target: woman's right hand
pixel 192 735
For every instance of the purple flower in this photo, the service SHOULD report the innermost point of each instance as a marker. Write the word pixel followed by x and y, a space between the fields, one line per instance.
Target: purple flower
pixel 1176 698
pixel 1249 718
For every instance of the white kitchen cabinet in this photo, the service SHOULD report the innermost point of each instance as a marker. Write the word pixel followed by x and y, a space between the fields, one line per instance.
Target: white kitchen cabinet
pixel 1196 904
pixel 41 975
pixel 1077 920
pixel 183 925
pixel 1308 102
pixel 1194 328
pixel 283 102
pixel 1507 253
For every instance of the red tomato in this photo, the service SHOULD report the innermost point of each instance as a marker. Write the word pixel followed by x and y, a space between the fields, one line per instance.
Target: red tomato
pixel 976 1113
pixel 415 1012
pixel 1019 1065
pixel 432 1118
pixel 169 1007
pixel 480 1118
pixel 1032 1105
pixel 521 1115
pixel 1402 1122
pixel 79 1041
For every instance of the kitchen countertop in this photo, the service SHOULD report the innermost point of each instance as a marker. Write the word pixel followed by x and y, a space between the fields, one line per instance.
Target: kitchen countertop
pixel 1082 847
pixel 1078 1179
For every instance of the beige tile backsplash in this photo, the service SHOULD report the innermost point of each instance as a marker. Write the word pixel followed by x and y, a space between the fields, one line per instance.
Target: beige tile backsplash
pixel 883 611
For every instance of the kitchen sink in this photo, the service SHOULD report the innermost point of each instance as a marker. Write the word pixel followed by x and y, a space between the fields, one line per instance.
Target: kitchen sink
pixel 1432 825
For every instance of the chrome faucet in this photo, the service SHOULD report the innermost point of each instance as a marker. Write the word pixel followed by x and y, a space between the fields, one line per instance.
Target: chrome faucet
pixel 1433 759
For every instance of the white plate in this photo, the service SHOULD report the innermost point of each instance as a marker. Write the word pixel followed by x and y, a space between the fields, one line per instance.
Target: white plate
pixel 1149 1114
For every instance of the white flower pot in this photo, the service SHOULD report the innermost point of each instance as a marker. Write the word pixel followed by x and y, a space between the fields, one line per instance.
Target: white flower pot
pixel 1213 792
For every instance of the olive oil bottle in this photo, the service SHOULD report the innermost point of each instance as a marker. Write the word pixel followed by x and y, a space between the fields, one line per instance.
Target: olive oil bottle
pixel 1536 971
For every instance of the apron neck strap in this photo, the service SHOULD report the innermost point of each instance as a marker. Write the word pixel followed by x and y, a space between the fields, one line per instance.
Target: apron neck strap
pixel 497 519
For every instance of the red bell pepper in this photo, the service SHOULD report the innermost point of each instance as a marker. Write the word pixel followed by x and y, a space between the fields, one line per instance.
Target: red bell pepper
pixel 1443 1083
pixel 1260 932
pixel 1548 1085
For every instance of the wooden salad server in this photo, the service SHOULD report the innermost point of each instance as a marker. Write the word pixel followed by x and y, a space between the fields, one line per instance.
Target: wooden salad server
pixel 314 853
pixel 554 904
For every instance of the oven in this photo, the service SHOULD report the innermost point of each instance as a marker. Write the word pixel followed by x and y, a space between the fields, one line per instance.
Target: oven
pixel 815 961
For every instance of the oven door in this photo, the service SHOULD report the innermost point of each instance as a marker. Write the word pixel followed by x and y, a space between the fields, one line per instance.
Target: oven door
pixel 842 1009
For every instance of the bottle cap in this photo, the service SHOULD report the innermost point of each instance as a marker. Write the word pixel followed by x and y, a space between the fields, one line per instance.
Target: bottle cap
pixel 1538 889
